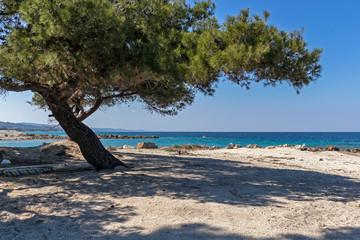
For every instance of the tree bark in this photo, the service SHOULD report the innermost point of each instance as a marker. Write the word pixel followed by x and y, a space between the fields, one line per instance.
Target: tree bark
pixel 90 146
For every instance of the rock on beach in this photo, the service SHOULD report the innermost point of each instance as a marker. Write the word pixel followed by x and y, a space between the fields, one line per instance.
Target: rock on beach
pixel 5 162
pixel 147 145
pixel 128 147
pixel 332 148
pixel 230 146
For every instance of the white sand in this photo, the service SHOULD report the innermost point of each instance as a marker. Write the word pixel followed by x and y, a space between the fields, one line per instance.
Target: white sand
pixel 223 194
pixel 10 134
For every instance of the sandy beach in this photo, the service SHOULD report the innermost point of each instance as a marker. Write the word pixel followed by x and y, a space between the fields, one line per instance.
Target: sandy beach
pixel 243 193
pixel 13 135
pixel 132 120
pixel 10 134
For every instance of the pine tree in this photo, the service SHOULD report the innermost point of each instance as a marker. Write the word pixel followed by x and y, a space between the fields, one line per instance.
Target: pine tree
pixel 78 55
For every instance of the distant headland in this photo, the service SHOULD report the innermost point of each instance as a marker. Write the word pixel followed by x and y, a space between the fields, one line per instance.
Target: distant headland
pixel 30 127
pixel 11 135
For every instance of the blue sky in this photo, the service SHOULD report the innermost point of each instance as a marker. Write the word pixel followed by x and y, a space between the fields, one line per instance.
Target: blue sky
pixel 330 104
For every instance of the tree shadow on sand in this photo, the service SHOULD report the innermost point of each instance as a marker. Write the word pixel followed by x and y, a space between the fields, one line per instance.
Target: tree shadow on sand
pixel 51 216
pixel 202 231
pixel 214 180
pixel 183 232
pixel 199 179
pixel 204 180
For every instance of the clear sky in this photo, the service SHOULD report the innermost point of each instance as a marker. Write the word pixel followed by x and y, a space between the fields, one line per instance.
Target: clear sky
pixel 330 104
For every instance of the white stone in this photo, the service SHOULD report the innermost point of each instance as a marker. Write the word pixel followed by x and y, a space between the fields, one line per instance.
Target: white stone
pixel 5 162
pixel 128 147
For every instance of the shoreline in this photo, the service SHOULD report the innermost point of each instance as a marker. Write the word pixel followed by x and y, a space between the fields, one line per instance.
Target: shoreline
pixel 67 150
pixel 13 135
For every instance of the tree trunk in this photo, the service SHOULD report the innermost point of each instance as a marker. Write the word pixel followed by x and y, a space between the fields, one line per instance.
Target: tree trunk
pixel 90 145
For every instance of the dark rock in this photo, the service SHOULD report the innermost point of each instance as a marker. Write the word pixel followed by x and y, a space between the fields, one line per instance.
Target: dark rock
pixel 315 149
pixel 115 136
pixel 332 148
pixel 230 146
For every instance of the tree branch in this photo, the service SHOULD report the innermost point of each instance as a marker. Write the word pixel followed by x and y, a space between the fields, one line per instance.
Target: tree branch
pixel 14 87
pixel 82 116
pixel 124 93
pixel 99 100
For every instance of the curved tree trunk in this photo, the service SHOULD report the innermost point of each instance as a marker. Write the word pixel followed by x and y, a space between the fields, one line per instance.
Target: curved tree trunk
pixel 90 145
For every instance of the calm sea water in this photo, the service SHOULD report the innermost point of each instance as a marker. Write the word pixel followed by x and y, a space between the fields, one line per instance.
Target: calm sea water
pixel 221 139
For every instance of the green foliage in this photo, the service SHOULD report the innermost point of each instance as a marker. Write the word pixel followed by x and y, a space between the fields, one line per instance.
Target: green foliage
pixel 174 148
pixel 159 52
pixel 111 148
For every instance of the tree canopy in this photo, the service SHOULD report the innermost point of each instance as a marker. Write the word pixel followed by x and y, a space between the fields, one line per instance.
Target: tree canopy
pixel 158 52
pixel 83 54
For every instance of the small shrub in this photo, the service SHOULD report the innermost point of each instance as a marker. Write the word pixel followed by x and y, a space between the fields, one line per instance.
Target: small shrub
pixel 111 148
pixel 175 148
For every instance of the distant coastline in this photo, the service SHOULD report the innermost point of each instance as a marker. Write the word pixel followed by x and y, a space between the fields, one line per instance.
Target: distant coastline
pixel 13 135
pixel 35 127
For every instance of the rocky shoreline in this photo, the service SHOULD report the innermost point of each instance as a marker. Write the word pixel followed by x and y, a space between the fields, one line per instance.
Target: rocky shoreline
pixel 254 146
pixel 32 136
pixel 115 136
pixel 61 150
pixel 12 135
pixel 296 147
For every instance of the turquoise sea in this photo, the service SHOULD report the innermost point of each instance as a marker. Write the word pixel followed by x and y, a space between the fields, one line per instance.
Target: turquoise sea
pixel 221 139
